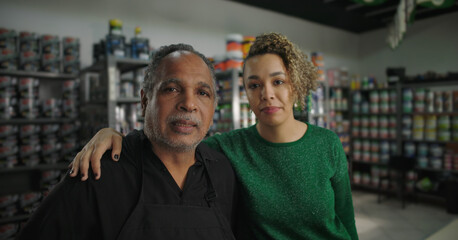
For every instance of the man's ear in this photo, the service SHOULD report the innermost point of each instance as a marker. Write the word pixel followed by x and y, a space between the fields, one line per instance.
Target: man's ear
pixel 144 102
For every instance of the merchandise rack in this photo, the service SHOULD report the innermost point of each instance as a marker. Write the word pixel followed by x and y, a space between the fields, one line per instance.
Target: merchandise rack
pixel 22 178
pixel 235 100
pixel 41 75
pixel 400 140
pixel 109 72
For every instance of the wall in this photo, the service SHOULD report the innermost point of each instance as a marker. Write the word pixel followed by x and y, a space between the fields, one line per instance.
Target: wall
pixel 430 44
pixel 202 23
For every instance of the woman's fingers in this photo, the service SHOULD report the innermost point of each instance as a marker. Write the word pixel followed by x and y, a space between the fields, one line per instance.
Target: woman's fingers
pixel 74 165
pixel 95 159
pixel 84 162
pixel 117 145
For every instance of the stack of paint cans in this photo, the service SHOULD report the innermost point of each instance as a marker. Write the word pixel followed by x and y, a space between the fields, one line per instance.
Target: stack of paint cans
pixel 246 45
pixel 29 51
pixel 29 144
pixel 28 97
pixel 50 144
pixel 8 146
pixel 32 52
pixel 71 55
pixel 50 53
pixel 318 61
pixel 8 49
pixel 9 208
pixel 68 133
pixel 234 51
pixel 8 97
pixel 70 98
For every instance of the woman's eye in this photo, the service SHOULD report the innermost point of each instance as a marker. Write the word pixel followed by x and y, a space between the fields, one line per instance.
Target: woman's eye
pixel 278 82
pixel 253 86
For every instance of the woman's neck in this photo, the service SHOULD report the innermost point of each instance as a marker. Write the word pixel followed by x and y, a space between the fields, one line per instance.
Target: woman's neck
pixel 288 131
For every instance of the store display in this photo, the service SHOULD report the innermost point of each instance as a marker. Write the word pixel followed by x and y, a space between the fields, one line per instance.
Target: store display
pixel 115 40
pixel 8 39
pixel 140 45
pixel 234 51
pixel 29 42
pixel 8 59
pixel 29 123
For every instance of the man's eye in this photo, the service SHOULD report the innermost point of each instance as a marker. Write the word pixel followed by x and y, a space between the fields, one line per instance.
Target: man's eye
pixel 170 89
pixel 253 85
pixel 204 93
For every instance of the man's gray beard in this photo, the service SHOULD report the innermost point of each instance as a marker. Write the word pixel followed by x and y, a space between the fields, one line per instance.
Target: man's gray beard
pixel 152 131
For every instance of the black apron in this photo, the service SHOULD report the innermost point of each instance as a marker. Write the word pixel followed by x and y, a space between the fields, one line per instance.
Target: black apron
pixel 154 221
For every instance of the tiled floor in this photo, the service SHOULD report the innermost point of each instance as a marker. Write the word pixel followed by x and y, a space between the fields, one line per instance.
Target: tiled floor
pixel 388 221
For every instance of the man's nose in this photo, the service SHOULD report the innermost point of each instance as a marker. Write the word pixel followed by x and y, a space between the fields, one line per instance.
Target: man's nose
pixel 188 102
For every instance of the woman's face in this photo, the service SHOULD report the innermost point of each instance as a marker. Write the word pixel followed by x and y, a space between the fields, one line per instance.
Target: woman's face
pixel 269 89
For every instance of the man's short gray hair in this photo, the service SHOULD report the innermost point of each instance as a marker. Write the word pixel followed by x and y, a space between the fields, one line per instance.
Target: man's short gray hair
pixel 151 81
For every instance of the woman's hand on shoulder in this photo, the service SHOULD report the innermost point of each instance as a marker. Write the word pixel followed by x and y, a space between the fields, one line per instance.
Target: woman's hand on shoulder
pixel 92 152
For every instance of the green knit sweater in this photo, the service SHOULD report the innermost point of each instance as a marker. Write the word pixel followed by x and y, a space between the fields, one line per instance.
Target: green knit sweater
pixel 296 190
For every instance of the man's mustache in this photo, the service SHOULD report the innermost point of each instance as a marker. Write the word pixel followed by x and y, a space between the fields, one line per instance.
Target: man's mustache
pixel 184 117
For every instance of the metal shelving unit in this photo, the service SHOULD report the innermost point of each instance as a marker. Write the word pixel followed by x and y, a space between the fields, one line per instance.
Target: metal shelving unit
pixel 23 121
pixel 400 140
pixel 229 83
pixel 41 75
pixel 20 179
pixel 108 74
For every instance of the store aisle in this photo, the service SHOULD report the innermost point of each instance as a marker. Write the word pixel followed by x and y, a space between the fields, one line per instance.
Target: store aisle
pixel 388 221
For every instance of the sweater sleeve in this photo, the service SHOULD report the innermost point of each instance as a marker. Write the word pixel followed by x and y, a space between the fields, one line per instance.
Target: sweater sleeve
pixel 214 142
pixel 342 190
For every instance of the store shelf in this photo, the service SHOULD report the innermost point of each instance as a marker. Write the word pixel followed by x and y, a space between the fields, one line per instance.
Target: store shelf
pixel 370 163
pixel 95 68
pixel 128 100
pixel 373 139
pixel 374 114
pixel 41 75
pixel 39 167
pixel 122 64
pixel 315 115
pixel 429 141
pixel 429 83
pixel 23 121
pixel 340 87
pixel 129 64
pixel 301 115
pixel 429 169
pixel 227 74
pixel 339 110
pixel 433 114
pixel 364 186
pixel 12 219
pixel 376 89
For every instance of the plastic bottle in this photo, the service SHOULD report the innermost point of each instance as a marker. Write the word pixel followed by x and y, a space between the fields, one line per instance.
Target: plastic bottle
pixel 140 45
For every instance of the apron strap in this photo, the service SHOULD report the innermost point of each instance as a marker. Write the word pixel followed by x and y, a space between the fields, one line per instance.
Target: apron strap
pixel 210 197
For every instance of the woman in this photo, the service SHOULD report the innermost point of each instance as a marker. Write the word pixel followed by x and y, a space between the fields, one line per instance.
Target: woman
pixel 293 175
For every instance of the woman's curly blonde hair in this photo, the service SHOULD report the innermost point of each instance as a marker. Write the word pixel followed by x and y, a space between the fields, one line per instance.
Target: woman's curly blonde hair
pixel 302 73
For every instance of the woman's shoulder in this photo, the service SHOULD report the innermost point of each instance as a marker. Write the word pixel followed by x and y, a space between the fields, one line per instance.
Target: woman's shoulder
pixel 233 135
pixel 321 132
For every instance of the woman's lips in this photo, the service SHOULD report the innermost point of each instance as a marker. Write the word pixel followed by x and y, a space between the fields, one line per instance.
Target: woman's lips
pixel 270 110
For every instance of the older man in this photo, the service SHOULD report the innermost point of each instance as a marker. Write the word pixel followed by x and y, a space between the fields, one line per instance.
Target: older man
pixel 168 184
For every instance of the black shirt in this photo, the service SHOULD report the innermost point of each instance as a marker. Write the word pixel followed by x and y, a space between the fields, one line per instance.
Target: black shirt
pixel 98 209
